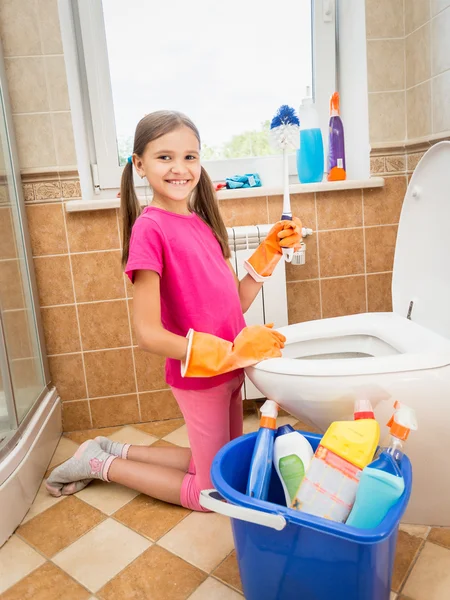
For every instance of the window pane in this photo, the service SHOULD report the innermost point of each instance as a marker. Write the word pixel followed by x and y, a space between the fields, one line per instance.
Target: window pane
pixel 227 65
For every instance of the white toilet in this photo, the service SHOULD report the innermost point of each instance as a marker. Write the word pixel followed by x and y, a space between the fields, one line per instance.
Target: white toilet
pixel 403 355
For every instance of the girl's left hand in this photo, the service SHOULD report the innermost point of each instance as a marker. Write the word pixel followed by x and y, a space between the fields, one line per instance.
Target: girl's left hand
pixel 291 235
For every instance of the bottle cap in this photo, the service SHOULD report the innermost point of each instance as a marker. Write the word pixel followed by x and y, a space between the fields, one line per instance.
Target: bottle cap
pixel 363 409
pixel 402 422
pixel 334 104
pixel 284 429
pixel 269 413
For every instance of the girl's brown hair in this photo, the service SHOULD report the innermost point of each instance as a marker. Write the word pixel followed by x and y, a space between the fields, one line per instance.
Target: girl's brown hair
pixel 203 201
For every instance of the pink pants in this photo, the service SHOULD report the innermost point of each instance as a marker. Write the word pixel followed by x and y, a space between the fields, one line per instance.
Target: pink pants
pixel 213 417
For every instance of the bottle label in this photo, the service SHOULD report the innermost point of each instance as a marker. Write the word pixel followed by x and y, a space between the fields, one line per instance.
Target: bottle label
pixel 336 462
pixel 340 163
pixel 292 471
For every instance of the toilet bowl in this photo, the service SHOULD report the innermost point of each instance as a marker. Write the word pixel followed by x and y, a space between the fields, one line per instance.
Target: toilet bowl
pixel 403 355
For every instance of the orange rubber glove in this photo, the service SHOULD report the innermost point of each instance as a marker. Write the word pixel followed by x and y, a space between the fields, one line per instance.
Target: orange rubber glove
pixel 284 234
pixel 209 355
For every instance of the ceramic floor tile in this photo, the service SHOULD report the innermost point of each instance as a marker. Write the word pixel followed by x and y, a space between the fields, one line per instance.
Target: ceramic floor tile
pixel 163 444
pixel 420 531
pixel 160 428
pixel 42 501
pixel 65 449
pixel 228 571
pixel 130 435
pixel 89 434
pixel 251 423
pixel 179 437
pixel 286 421
pixel 107 497
pixel 211 589
pixel 60 525
pixel 407 548
pixel 300 425
pixel 157 575
pixel 17 560
pixel 150 517
pixel 203 539
pixel 430 577
pixel 46 583
pixel 99 555
pixel 440 536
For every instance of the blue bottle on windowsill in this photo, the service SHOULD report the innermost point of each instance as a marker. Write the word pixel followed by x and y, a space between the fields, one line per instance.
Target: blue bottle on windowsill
pixel 310 156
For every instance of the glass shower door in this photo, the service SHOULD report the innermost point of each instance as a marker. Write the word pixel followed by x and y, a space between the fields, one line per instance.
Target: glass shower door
pixel 22 371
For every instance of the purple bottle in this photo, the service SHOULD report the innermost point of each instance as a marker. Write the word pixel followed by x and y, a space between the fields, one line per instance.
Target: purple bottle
pixel 336 143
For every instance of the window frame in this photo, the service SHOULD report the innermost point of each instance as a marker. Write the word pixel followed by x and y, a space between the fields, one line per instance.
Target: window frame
pixel 90 93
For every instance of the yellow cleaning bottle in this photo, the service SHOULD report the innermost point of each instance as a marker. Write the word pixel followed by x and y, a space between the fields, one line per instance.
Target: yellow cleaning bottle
pixel 329 487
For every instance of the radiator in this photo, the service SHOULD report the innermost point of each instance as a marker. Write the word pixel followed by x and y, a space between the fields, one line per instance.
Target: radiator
pixel 270 305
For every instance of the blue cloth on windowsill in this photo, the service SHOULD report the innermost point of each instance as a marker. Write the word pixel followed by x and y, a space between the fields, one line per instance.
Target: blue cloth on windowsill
pixel 248 180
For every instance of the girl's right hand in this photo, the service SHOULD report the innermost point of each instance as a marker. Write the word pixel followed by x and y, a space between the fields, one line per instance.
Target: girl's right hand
pixel 258 342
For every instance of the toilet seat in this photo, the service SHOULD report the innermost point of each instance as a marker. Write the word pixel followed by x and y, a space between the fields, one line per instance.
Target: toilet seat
pixel 412 346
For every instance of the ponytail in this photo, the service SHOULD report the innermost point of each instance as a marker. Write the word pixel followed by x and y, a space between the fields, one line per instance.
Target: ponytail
pixel 205 205
pixel 130 208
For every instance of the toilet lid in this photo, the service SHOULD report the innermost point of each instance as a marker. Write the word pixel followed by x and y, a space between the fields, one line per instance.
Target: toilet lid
pixel 422 255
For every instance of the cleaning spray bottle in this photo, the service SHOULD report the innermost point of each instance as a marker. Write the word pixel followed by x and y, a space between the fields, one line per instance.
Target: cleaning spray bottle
pixel 329 487
pixel 382 482
pixel 261 465
pixel 310 156
pixel 292 455
pixel 336 143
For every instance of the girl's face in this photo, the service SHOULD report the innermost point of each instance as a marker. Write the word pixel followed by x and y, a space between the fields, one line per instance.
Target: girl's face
pixel 171 165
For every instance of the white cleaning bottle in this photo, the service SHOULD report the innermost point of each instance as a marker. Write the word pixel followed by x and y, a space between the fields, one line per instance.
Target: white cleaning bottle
pixel 292 454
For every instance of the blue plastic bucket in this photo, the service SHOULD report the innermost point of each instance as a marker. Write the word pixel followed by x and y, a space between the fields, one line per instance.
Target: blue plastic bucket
pixel 284 554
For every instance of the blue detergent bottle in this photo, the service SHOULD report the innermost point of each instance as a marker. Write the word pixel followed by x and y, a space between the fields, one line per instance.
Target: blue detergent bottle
pixel 261 464
pixel 382 484
pixel 310 156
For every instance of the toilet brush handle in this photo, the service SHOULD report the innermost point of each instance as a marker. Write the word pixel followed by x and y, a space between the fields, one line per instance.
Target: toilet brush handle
pixel 212 500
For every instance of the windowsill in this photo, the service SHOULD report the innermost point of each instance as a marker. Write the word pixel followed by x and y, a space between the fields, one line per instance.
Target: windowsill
pixel 295 188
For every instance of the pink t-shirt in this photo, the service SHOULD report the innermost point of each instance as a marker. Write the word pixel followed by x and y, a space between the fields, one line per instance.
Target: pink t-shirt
pixel 197 287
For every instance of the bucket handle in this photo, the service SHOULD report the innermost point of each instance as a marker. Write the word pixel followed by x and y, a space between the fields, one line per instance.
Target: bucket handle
pixel 212 500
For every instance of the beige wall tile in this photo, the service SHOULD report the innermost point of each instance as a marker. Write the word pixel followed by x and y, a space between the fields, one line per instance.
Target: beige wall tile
pixel 384 19
pixel 377 165
pixel 92 230
pixel 46 228
pixel 17 326
pixel 35 141
pixel 417 12
pixel 109 372
pixel 386 65
pixel 244 211
pixel 67 375
pixel 438 5
pixel 379 292
pixel 382 206
pixel 156 406
pixel 8 248
pixel 418 47
pixel 49 26
pixel 11 288
pixel 380 248
pixel 441 104
pixel 71 189
pixel 418 102
pixel 310 270
pixel 115 410
pixel 61 329
pixel 413 160
pixel 47 190
pixel 54 280
pixel 104 325
pixel 341 252
pixel 337 210
pixel 57 83
pixel 75 415
pixel 387 117
pixel 26 84
pixel 396 164
pixel 303 301
pixel 440 40
pixel 302 206
pixel 28 192
pixel 64 142
pixel 19 28
pixel 150 371
pixel 343 296
pixel 97 276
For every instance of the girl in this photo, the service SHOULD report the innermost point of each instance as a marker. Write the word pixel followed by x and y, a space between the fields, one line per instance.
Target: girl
pixel 188 306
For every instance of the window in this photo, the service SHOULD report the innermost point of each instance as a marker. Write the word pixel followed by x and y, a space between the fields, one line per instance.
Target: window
pixel 227 65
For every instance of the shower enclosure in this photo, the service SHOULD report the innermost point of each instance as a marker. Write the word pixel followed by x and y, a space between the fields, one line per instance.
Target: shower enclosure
pixel 29 409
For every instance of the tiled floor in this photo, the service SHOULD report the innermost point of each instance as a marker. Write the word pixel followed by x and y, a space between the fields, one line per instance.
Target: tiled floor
pixel 110 543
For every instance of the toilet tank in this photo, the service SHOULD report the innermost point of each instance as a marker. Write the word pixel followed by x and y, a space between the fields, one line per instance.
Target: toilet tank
pixel 421 277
